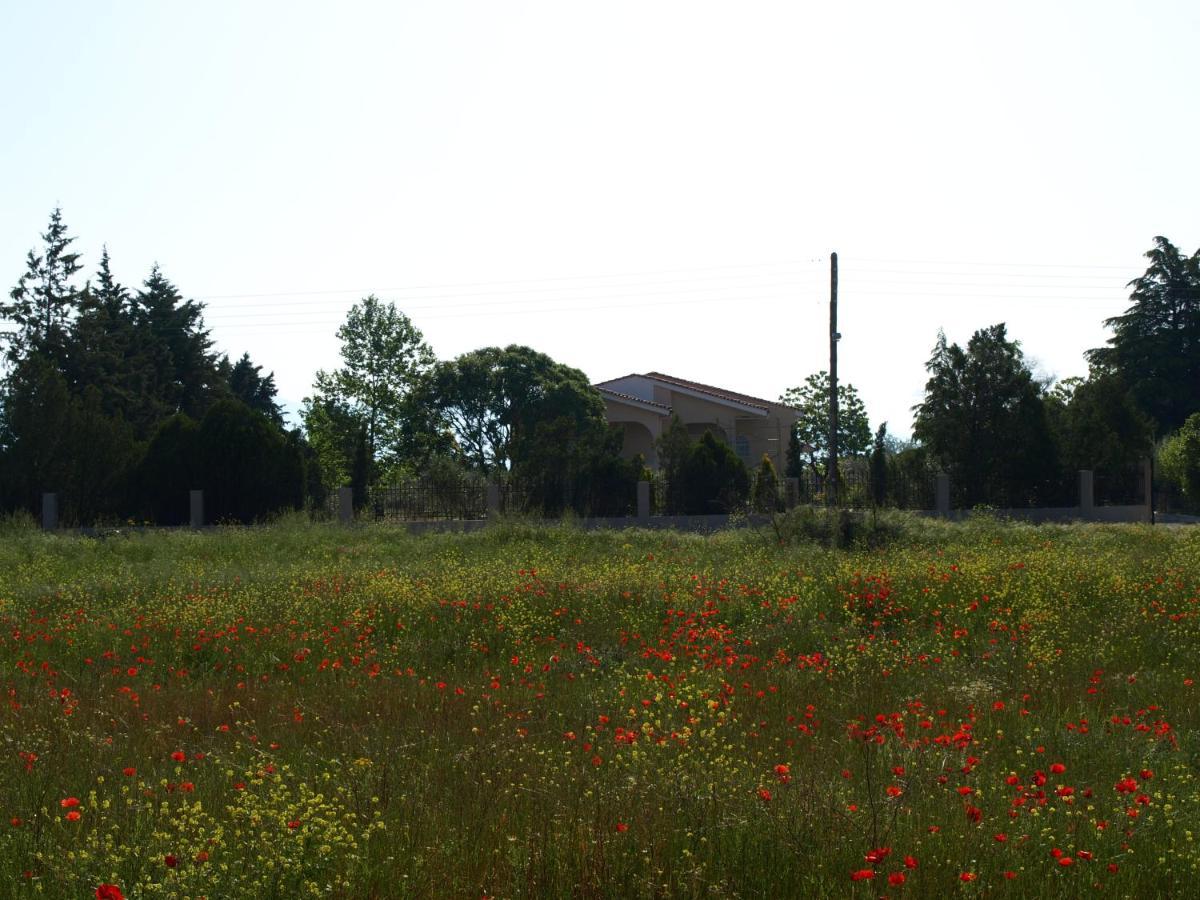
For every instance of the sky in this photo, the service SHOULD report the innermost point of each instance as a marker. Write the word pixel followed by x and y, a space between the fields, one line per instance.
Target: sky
pixel 627 187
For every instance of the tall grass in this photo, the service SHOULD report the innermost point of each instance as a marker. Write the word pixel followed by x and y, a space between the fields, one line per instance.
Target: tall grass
pixel 529 711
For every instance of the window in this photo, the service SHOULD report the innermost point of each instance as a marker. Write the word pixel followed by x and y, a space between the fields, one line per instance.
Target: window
pixel 742 445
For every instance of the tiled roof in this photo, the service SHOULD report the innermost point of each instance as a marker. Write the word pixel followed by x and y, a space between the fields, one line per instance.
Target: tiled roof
pixel 621 396
pixel 709 389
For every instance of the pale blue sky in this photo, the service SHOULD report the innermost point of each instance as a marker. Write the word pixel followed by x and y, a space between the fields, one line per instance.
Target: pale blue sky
pixel 625 186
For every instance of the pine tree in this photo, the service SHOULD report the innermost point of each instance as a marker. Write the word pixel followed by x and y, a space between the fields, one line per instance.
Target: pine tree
pixel 255 390
pixel 1155 347
pixel 45 298
pixel 176 350
pixel 101 344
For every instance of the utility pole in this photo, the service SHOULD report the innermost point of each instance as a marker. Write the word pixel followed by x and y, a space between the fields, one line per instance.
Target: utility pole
pixel 831 471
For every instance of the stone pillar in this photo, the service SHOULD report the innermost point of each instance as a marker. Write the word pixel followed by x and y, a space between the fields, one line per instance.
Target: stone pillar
pixel 1087 495
pixel 793 492
pixel 942 494
pixel 196 509
pixel 493 499
pixel 50 511
pixel 345 497
pixel 1148 487
pixel 643 502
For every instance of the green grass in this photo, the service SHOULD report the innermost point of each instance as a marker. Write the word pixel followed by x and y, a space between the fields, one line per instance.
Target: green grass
pixel 531 712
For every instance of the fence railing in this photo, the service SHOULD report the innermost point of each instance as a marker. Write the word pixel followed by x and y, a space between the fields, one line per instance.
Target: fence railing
pixel 1110 496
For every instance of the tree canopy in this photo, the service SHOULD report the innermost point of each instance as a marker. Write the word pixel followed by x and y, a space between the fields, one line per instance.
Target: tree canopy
pixel 384 358
pixel 1155 347
pixel 810 435
pixel 100 384
pixel 983 421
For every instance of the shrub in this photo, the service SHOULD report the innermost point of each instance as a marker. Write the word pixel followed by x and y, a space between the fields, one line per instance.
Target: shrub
pixel 715 480
pixel 765 496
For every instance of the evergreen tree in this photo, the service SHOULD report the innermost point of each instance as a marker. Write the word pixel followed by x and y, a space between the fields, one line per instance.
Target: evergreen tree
pixel 249 471
pixel 255 390
pixel 1100 426
pixel 45 298
pixel 765 496
pixel 170 468
pixel 102 342
pixel 879 467
pixel 674 447
pixel 1155 347
pixel 35 449
pixel 716 479
pixel 984 421
pixel 176 350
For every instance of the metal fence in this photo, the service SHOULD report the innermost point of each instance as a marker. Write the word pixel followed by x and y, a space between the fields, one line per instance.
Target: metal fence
pixel 424 499
pixel 1119 487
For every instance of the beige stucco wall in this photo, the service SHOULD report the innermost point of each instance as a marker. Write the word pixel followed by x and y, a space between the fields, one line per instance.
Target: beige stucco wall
pixel 764 434
pixel 642 428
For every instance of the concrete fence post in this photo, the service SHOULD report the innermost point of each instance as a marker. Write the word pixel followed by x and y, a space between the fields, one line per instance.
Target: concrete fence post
pixel 196 509
pixel 1087 495
pixel 943 495
pixel 643 502
pixel 346 505
pixel 49 511
pixel 493 499
pixel 1148 487
pixel 793 492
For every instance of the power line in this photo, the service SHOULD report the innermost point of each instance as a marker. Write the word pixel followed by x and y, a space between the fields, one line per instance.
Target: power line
pixel 422 287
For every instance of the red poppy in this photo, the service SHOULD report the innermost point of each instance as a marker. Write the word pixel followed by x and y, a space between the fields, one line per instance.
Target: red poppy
pixel 967 876
pixel 862 875
pixel 69 802
pixel 73 816
pixel 129 771
pixel 179 756
pixel 622 827
pixel 910 862
pixel 1057 768
pixel 170 860
pixel 896 879
pixel 109 892
pixel 878 855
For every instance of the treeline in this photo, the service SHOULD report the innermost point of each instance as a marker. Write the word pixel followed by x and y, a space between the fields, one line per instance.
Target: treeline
pixel 1008 438
pixel 115 399
pixel 392 411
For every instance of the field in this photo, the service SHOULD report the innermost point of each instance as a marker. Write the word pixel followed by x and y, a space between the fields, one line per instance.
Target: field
pixel 975 710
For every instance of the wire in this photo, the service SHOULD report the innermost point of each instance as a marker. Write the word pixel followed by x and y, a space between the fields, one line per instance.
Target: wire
pixel 512 281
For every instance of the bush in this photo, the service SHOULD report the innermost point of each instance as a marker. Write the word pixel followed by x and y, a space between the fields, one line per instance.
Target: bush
pixel 1179 460
pixel 249 470
pixel 765 497
pixel 715 480
pixel 169 469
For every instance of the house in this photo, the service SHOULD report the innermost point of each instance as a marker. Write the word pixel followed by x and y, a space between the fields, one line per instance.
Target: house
pixel 643 405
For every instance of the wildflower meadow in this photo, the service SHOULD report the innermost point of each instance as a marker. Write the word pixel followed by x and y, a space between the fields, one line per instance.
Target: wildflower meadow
pixel 976 710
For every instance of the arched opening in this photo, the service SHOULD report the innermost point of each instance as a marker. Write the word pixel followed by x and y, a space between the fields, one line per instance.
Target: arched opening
pixel 637 439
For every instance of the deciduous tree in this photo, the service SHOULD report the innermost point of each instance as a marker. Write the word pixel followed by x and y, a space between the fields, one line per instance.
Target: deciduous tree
pixel 811 432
